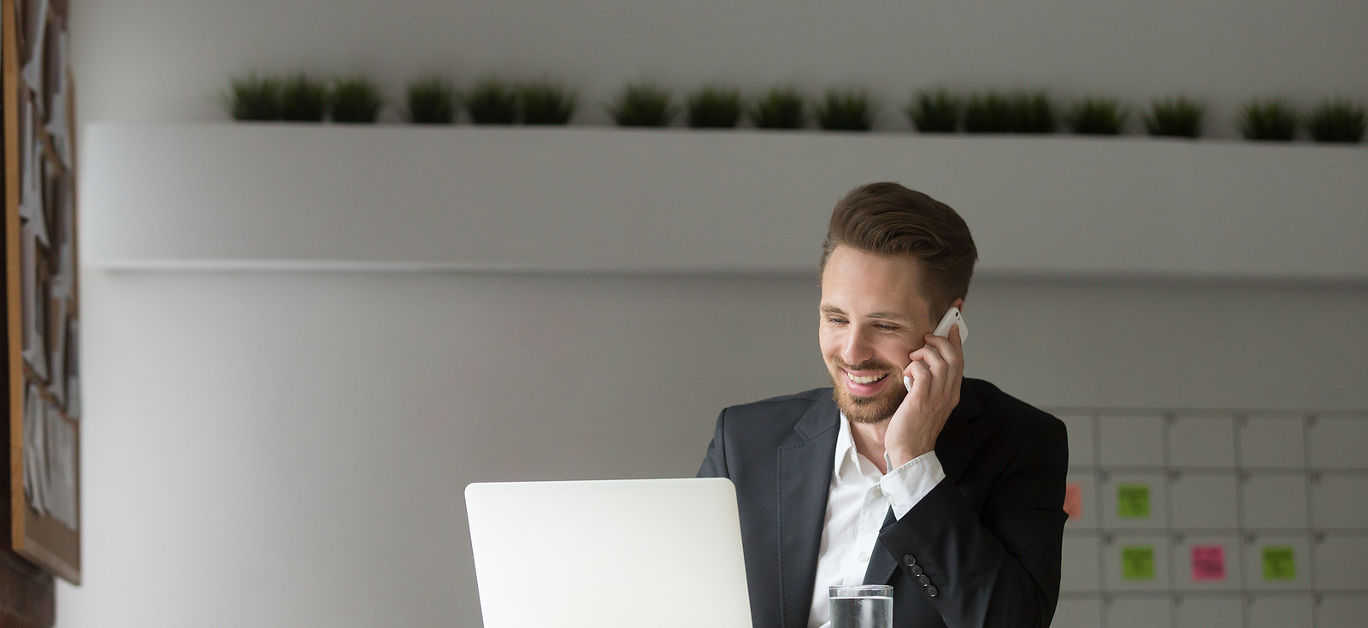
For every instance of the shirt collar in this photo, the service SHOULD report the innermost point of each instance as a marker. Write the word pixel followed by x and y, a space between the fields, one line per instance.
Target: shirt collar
pixel 845 444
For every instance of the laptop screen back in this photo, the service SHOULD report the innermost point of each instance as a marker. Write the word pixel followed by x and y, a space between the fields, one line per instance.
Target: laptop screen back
pixel 608 554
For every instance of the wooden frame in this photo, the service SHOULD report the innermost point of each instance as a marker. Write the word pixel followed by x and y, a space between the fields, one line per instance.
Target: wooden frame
pixel 44 448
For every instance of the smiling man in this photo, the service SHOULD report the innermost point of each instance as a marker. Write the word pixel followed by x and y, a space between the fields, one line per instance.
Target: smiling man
pixel 949 490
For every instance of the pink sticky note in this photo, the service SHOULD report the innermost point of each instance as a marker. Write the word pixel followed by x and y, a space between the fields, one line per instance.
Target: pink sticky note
pixel 1208 563
pixel 1073 501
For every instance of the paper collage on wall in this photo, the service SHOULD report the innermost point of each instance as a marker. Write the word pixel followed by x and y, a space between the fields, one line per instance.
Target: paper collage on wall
pixel 47 265
pixel 42 285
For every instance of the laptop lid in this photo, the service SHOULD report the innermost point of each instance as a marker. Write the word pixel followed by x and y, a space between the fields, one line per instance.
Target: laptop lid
pixel 608 554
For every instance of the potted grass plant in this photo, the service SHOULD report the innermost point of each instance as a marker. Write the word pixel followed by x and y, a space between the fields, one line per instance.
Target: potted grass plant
pixel 778 108
pixel 431 101
pixel 1268 120
pixel 546 103
pixel 303 99
pixel 849 109
pixel 987 112
pixel 934 111
pixel 642 104
pixel 355 100
pixel 714 107
pixel 1175 117
pixel 1340 121
pixel 1096 116
pixel 1032 112
pixel 254 97
pixel 491 101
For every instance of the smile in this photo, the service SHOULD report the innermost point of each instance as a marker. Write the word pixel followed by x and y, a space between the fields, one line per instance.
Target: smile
pixel 865 380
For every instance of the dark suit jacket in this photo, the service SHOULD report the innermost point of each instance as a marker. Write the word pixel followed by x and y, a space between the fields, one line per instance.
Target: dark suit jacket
pixel 981 549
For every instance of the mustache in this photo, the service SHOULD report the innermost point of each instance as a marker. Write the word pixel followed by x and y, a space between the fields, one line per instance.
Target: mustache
pixel 867 366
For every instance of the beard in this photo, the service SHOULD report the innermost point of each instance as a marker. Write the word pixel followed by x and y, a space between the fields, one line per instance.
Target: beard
pixel 875 409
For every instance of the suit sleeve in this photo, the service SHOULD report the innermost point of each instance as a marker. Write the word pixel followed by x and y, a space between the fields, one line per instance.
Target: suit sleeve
pixel 1000 567
pixel 715 462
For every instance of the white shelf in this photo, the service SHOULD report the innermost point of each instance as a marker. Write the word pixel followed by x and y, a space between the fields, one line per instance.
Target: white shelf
pixel 579 199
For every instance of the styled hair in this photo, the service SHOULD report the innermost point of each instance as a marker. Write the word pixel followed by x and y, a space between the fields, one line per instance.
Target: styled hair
pixel 889 219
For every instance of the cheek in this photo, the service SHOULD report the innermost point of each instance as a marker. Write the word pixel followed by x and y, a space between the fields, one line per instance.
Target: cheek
pixel 828 340
pixel 895 351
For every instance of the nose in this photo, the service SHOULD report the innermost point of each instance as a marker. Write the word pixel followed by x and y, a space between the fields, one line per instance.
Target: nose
pixel 856 348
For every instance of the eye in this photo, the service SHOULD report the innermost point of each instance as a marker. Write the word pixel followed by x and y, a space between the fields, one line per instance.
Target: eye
pixel 835 320
pixel 886 327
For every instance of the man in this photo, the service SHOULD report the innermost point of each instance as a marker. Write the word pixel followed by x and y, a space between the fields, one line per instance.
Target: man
pixel 951 492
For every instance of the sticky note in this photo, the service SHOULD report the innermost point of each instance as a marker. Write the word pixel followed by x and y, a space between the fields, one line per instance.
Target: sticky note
pixel 1208 563
pixel 1278 563
pixel 1137 562
pixel 1133 501
pixel 1073 501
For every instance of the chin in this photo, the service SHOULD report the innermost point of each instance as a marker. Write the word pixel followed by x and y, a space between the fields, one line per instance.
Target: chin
pixel 870 410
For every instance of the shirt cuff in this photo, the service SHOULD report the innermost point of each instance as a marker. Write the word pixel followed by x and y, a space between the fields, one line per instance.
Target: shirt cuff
pixel 908 484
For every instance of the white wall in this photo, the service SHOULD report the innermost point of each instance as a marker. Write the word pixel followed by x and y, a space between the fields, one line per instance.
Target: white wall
pixel 288 449
pixel 149 60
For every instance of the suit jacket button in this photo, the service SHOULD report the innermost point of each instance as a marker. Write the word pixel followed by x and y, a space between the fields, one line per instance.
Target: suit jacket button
pixel 923 580
pixel 909 560
pixel 933 591
pixel 916 570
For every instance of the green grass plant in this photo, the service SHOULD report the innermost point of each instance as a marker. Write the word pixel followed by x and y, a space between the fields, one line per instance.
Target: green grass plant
pixel 1096 116
pixel 491 101
pixel 849 109
pixel 1032 112
pixel 355 100
pixel 431 101
pixel 253 97
pixel 987 112
pixel 546 102
pixel 642 104
pixel 1340 121
pixel 714 107
pixel 303 99
pixel 778 108
pixel 1268 120
pixel 1175 117
pixel 935 111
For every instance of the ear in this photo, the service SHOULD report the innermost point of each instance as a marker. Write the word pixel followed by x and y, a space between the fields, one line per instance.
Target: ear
pixel 959 303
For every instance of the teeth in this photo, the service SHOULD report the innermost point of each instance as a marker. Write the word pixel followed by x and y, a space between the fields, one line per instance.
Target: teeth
pixel 865 380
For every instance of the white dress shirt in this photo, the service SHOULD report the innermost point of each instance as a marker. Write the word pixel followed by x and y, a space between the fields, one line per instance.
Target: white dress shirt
pixel 857 504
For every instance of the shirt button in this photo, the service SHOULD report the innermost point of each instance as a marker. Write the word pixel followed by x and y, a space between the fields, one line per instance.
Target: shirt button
pixel 909 560
pixel 933 591
pixel 916 570
pixel 864 557
pixel 923 580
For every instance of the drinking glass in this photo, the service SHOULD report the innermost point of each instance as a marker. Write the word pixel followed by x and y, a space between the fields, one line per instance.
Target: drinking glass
pixel 862 606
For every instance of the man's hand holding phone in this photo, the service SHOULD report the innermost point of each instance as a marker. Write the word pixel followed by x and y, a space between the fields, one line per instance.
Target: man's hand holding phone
pixel 933 390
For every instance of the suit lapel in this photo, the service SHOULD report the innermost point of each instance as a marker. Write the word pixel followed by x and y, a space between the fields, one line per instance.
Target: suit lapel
pixel 955 447
pixel 804 481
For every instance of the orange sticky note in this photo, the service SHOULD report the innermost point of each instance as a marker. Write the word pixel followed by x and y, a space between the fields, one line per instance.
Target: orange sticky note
pixel 1208 563
pixel 1073 501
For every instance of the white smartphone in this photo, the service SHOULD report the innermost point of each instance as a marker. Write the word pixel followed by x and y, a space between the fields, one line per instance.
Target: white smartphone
pixel 952 318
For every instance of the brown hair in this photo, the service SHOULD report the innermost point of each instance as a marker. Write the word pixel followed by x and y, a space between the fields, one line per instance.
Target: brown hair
pixel 889 219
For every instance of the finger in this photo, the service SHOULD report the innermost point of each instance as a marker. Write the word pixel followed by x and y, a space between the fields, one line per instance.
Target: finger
pixel 937 363
pixel 947 349
pixel 921 380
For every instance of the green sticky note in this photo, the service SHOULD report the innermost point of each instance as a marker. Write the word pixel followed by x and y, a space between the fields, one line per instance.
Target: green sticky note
pixel 1133 501
pixel 1278 563
pixel 1137 562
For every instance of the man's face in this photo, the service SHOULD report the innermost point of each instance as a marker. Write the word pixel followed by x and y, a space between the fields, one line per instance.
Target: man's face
pixel 872 317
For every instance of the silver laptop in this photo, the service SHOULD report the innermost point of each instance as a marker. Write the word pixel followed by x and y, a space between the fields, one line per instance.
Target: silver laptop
pixel 608 554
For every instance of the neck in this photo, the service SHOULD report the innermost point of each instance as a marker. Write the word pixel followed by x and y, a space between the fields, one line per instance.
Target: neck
pixel 869 441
